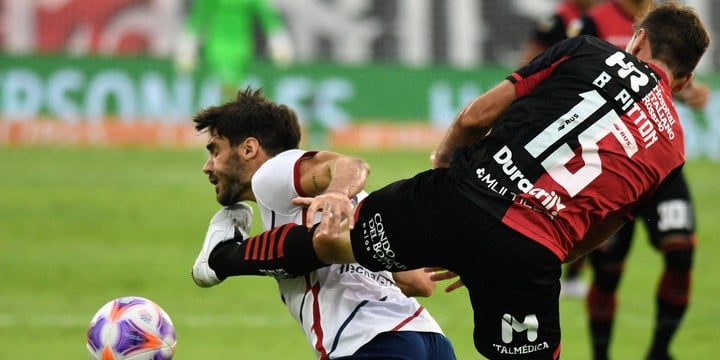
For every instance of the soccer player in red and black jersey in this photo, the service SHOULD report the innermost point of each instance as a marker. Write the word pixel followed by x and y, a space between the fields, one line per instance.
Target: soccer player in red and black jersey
pixel 537 171
pixel 563 23
pixel 669 218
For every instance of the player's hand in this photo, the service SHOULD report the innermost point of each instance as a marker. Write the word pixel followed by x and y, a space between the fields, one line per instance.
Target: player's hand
pixel 695 95
pixel 440 274
pixel 334 207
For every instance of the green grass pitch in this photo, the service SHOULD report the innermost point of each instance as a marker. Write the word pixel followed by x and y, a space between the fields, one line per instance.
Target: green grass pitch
pixel 80 226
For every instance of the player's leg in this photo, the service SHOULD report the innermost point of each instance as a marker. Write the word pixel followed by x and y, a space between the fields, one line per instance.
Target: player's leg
pixel 608 263
pixel 403 226
pixel 387 231
pixel 673 294
pixel 671 226
pixel 439 346
pixel 514 282
pixel 282 252
pixel 514 287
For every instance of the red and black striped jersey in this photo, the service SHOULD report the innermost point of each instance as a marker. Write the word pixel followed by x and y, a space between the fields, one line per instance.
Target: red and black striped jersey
pixel 592 132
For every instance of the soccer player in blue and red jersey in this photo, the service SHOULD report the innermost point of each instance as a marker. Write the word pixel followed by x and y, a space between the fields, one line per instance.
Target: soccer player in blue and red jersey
pixel 345 311
pixel 537 171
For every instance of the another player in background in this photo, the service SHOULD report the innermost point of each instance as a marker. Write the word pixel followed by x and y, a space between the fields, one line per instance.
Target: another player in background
pixel 554 29
pixel 548 32
pixel 344 310
pixel 541 169
pixel 222 31
pixel 669 218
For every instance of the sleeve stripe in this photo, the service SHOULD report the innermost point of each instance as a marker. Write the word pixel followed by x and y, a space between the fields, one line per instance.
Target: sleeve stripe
pixel 526 85
pixel 271 248
pixel 248 247
pixel 264 245
pixel 281 240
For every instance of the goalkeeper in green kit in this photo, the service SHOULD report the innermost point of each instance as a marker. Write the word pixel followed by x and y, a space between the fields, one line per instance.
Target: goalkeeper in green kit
pixel 225 30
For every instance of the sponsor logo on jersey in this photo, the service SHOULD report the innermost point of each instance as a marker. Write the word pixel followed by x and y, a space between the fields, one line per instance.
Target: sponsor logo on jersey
pixel 376 242
pixel 509 325
pixel 548 202
pixel 361 270
pixel 654 111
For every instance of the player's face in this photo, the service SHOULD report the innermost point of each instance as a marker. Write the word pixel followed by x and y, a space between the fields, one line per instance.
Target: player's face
pixel 227 171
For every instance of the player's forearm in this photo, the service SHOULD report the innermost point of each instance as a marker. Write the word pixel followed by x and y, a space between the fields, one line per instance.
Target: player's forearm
pixel 348 175
pixel 474 121
pixel 456 137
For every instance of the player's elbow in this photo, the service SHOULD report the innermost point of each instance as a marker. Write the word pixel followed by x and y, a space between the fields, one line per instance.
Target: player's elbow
pixel 363 169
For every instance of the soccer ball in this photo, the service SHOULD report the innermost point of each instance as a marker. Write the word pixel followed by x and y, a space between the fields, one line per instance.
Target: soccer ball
pixel 131 328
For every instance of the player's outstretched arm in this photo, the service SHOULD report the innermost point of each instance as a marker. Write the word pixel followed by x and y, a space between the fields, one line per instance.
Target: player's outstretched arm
pixel 474 121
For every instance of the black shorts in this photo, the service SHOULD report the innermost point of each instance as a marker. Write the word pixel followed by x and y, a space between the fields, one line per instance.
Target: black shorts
pixel 670 212
pixel 513 281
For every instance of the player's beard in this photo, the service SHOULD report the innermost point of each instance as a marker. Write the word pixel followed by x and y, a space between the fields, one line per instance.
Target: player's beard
pixel 231 185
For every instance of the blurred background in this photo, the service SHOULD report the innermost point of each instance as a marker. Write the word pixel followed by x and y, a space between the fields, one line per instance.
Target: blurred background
pixel 105 72
pixel 101 190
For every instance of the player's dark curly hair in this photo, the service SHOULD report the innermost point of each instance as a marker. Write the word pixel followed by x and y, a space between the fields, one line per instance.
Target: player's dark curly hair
pixel 677 36
pixel 252 114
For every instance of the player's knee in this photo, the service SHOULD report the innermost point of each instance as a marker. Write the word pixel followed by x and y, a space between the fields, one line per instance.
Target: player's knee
pixel 606 273
pixel 604 264
pixel 608 281
pixel 679 259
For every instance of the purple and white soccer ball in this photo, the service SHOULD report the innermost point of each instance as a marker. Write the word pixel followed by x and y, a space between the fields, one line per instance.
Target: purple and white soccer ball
pixel 131 327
